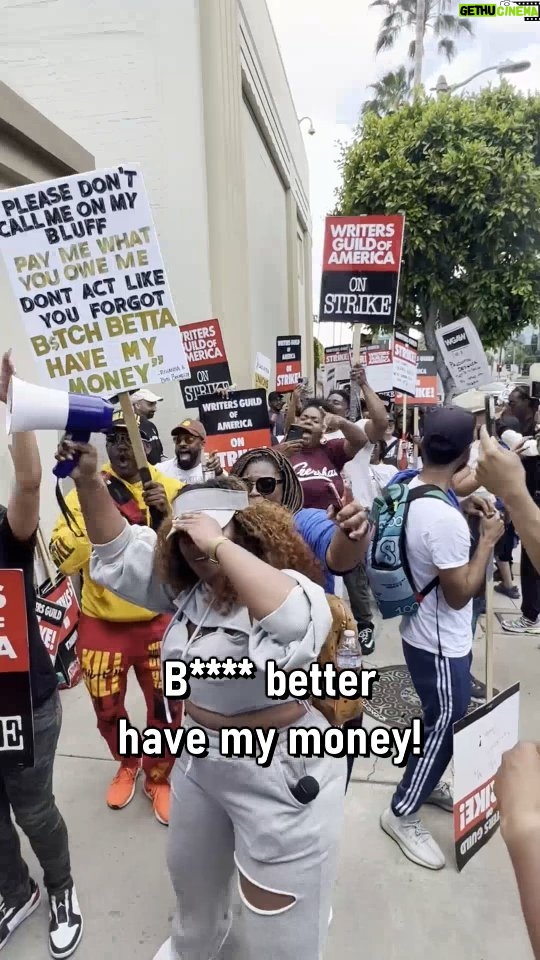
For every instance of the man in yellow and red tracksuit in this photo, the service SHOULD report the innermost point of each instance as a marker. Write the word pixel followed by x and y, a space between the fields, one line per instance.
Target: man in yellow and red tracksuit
pixel 115 635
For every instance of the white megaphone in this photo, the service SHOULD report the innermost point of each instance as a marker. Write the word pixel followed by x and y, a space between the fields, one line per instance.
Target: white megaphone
pixel 30 407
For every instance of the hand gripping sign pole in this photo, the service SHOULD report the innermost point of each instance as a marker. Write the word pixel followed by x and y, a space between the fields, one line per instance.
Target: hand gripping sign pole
pixel 139 452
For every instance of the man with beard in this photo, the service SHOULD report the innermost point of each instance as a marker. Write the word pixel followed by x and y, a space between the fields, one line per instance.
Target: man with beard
pixel 524 408
pixel 145 405
pixel 437 639
pixel 115 635
pixel 188 461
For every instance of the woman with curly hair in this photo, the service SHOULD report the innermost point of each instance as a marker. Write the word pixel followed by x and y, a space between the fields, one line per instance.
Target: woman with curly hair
pixel 338 537
pixel 242 585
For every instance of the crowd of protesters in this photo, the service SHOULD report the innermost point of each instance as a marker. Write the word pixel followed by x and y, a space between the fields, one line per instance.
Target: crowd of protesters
pixel 193 565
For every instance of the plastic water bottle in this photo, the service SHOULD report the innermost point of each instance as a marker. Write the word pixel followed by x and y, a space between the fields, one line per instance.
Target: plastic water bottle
pixel 349 652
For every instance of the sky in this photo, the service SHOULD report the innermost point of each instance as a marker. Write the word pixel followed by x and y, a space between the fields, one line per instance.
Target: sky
pixel 328 49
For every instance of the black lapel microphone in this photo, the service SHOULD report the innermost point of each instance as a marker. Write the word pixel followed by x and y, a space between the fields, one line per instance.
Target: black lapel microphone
pixel 305 790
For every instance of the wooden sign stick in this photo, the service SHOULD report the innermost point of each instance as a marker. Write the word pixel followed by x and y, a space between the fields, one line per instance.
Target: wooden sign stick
pixel 356 399
pixel 416 428
pixel 130 421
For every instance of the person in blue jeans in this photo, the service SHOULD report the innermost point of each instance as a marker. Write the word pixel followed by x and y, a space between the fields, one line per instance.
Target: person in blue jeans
pixel 437 640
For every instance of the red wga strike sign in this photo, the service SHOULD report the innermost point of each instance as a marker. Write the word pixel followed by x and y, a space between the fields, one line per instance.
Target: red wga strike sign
pixel 288 363
pixel 57 611
pixel 208 364
pixel 361 263
pixel 16 722
pixel 236 425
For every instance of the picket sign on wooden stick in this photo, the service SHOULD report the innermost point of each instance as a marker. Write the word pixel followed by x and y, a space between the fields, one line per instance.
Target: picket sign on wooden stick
pixel 132 427
pixel 416 427
pixel 356 397
pixel 48 565
pixel 403 461
pixel 489 403
pixel 489 628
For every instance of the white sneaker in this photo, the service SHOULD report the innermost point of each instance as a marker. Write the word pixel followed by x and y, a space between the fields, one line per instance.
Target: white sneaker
pixel 164 952
pixel 521 625
pixel 414 840
pixel 442 797
pixel 65 924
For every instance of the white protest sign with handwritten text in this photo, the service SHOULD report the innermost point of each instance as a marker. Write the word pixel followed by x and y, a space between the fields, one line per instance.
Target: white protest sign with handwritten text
pixel 85 266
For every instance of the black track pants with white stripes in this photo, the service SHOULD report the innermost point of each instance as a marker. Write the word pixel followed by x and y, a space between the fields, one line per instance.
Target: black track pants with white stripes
pixel 444 687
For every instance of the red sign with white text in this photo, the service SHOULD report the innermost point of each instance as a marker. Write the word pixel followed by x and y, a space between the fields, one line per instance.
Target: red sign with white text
pixel 14 657
pixel 361 265
pixel 16 717
pixel 207 360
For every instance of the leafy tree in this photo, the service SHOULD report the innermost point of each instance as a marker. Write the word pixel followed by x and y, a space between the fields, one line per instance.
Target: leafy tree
pixel 318 354
pixel 465 171
pixel 439 21
pixel 390 92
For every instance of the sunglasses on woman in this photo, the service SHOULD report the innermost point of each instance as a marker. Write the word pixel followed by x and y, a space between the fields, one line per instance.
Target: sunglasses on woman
pixel 263 485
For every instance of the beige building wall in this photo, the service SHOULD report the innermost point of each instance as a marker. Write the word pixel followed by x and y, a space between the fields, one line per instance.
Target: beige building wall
pixel 170 85
pixel 31 148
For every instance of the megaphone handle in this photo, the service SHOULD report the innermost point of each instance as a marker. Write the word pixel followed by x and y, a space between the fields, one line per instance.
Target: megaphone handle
pixel 64 468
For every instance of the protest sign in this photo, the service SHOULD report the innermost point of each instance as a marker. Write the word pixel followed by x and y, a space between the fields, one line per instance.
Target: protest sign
pixel 464 354
pixel 57 611
pixel 16 719
pixel 426 382
pixel 361 264
pixel 85 266
pixel 236 425
pixel 208 364
pixel 378 365
pixel 337 366
pixel 480 740
pixel 405 360
pixel 263 367
pixel 288 363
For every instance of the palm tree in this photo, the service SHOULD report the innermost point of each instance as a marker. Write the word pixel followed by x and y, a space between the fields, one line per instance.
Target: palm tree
pixel 444 25
pixel 390 92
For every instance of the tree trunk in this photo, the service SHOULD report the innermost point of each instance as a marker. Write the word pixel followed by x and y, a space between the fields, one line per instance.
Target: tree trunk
pixel 419 44
pixel 432 345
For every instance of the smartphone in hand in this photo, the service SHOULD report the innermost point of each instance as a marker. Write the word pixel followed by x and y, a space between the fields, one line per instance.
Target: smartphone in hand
pixel 295 433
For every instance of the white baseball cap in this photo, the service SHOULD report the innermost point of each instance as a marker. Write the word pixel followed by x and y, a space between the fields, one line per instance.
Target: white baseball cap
pixel 218 504
pixel 145 395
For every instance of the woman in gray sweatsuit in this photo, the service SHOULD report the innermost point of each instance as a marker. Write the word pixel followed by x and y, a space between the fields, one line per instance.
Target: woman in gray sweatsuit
pixel 229 573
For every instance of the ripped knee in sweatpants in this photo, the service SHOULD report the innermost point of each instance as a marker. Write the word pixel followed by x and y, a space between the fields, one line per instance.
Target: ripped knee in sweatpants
pixel 260 899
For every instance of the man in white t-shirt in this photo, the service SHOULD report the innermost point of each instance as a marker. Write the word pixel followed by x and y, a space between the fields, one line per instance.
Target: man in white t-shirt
pixel 437 641
pixel 187 463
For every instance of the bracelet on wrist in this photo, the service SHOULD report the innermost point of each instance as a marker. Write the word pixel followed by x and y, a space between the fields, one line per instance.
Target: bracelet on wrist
pixel 213 548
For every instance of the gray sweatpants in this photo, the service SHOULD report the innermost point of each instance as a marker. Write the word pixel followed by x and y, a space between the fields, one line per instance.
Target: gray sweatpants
pixel 231 812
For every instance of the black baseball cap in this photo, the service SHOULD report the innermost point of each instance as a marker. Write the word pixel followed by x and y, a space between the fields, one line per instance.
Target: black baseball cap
pixel 275 395
pixel 448 432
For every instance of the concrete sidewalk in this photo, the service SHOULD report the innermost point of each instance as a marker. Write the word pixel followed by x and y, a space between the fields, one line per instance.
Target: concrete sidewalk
pixel 385 907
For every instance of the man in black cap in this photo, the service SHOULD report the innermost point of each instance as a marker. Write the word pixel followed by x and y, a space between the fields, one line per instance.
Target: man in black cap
pixel 437 640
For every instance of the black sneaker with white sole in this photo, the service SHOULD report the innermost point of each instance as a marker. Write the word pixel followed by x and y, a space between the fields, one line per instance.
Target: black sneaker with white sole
pixel 65 924
pixel 366 637
pixel 12 917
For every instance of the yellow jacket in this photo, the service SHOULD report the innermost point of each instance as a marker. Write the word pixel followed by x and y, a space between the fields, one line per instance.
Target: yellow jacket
pixel 71 554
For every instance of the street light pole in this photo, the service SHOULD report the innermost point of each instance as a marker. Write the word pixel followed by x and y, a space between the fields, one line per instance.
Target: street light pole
pixel 508 66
